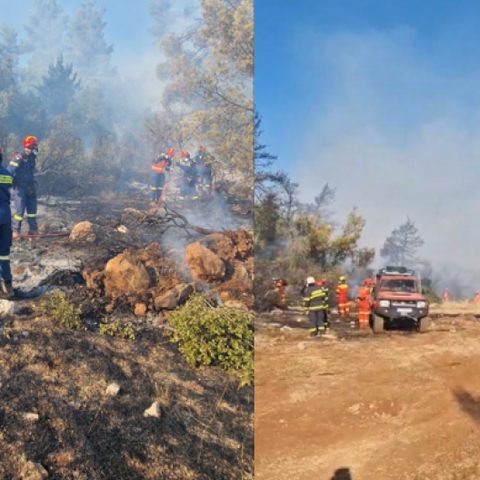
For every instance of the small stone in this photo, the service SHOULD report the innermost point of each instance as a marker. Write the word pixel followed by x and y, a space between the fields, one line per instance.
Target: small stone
pixel 140 309
pixel 31 417
pixel 113 389
pixel 26 333
pixel 122 229
pixel 109 308
pixel 153 411
pixel 301 346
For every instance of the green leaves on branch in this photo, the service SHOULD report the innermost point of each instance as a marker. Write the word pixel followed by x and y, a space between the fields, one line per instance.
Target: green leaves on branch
pixel 216 336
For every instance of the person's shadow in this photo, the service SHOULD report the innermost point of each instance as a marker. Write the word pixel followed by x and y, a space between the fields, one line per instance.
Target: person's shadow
pixel 342 474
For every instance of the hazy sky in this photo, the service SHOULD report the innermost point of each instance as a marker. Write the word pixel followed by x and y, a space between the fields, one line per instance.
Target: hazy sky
pixel 381 99
pixel 127 26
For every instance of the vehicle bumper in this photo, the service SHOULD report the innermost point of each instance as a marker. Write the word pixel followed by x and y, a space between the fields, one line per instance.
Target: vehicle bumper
pixel 396 313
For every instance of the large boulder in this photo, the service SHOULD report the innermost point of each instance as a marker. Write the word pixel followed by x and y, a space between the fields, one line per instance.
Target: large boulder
pixel 203 263
pixel 126 274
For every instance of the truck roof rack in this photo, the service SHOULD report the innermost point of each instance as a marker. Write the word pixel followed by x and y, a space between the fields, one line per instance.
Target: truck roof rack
pixel 396 271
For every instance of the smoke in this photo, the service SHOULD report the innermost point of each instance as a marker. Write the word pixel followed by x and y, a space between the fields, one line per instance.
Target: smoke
pixel 398 135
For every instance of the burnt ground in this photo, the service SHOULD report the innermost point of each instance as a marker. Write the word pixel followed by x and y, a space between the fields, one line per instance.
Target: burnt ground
pixel 359 406
pixel 205 430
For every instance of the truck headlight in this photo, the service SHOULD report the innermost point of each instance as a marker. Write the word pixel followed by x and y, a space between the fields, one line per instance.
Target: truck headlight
pixel 384 303
pixel 421 304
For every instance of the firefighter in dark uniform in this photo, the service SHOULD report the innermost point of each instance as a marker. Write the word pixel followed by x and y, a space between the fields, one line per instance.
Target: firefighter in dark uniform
pixel 6 181
pixel 316 302
pixel 22 168
pixel 160 166
pixel 323 284
pixel 189 178
pixel 203 161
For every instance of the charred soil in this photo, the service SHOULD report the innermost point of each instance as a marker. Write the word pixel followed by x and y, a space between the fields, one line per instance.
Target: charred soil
pixel 204 429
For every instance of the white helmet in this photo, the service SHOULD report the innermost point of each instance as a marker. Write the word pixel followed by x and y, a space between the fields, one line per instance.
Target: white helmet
pixel 310 280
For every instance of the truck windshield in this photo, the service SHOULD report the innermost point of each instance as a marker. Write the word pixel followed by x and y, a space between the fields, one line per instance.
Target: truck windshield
pixel 399 285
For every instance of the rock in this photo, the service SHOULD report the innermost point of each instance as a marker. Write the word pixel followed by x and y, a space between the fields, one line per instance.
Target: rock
pixel 153 411
pixel 122 229
pixel 224 296
pixel 140 309
pixel 109 308
pixel 183 291
pixel 241 276
pixel 203 263
pixel 8 308
pixel 126 274
pixel 301 346
pixel 85 231
pixel 93 277
pixel 166 301
pixel 34 471
pixel 31 417
pixel 355 409
pixel 113 389
pixel 171 299
pixel 236 304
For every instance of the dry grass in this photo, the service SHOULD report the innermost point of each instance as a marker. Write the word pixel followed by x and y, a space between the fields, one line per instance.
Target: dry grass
pixel 205 430
pixel 465 307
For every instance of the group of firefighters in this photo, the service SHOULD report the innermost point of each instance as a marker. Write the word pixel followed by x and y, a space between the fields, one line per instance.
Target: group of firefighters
pixel 195 171
pixel 17 182
pixel 316 296
pixel 446 296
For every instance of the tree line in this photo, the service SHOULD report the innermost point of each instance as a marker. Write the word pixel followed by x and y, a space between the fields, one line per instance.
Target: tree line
pixel 294 239
pixel 58 82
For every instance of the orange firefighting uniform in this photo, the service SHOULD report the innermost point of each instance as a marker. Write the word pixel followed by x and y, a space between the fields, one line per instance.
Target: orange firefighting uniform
pixel 364 306
pixel 342 299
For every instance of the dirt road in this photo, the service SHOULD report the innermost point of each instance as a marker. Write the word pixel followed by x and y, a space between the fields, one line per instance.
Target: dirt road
pixel 396 406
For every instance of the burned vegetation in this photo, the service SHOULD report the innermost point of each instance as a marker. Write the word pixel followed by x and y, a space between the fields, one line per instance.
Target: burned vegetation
pixel 94 382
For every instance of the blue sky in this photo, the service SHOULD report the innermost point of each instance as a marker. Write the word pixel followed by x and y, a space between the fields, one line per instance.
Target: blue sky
pixel 382 100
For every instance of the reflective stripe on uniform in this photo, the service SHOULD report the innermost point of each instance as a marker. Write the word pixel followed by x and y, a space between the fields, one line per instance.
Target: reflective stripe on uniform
pixel 31 215
pixel 14 164
pixel 19 218
pixel 6 179
pixel 314 329
pixel 317 307
pixel 4 258
pixel 153 188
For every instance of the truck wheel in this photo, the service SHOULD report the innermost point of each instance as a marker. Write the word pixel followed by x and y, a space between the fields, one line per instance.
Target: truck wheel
pixel 424 325
pixel 378 324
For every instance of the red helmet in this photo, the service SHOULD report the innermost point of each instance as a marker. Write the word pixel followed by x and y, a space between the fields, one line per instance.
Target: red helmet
pixel 201 148
pixel 30 141
pixel 368 281
pixel 170 152
pixel 321 282
pixel 185 154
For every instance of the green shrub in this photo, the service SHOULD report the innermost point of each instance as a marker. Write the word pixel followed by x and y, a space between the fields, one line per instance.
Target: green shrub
pixel 218 336
pixel 62 311
pixel 118 329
